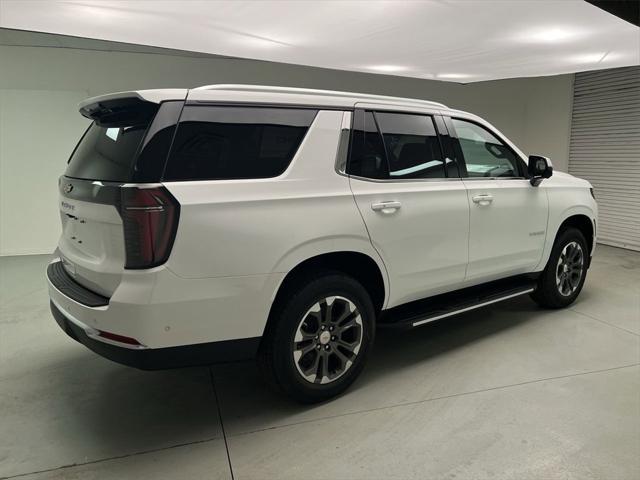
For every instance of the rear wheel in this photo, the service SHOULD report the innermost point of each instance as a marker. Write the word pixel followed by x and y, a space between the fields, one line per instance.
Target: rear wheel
pixel 562 279
pixel 319 338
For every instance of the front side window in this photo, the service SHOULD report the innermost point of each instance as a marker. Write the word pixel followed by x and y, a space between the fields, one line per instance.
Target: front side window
pixel 484 154
pixel 221 143
pixel 412 146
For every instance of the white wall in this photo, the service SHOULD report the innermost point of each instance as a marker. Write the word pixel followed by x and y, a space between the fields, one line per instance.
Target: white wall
pixel 39 124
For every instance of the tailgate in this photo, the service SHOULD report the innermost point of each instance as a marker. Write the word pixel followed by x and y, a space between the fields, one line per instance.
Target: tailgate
pixel 92 242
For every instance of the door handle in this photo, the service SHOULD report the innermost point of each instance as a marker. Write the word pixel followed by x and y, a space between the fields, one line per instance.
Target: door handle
pixel 386 207
pixel 482 199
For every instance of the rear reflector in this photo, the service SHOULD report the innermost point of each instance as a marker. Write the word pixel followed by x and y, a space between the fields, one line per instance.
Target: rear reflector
pixel 150 221
pixel 118 338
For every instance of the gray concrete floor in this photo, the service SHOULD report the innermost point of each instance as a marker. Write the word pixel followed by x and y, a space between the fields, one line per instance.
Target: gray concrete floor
pixel 508 391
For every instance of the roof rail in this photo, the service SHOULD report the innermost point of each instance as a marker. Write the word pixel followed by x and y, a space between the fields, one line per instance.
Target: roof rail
pixel 312 91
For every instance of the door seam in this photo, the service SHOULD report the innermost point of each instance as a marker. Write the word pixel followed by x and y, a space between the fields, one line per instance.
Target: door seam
pixel 353 197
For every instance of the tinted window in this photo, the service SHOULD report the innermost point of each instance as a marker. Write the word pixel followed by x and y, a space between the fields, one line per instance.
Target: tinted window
pixel 367 157
pixel 449 148
pixel 217 143
pixel 484 154
pixel 106 153
pixel 412 146
pixel 155 146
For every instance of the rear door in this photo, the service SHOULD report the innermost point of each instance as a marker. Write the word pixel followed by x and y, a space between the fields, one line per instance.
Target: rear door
pixel 412 201
pixel 508 216
pixel 127 143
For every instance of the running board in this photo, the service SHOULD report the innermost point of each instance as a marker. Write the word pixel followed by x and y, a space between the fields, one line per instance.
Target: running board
pixel 434 308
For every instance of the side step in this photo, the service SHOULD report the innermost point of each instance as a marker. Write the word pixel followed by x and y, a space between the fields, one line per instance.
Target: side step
pixel 440 306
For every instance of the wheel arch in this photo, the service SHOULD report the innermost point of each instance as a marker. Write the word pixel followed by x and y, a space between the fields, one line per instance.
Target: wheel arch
pixel 584 224
pixel 361 266
pixel 581 218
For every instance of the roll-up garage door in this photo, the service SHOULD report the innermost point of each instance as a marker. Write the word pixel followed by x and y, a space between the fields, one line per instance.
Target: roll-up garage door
pixel 605 149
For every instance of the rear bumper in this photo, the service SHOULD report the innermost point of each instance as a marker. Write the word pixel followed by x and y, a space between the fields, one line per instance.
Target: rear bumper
pixel 156 320
pixel 160 310
pixel 158 358
pixel 63 282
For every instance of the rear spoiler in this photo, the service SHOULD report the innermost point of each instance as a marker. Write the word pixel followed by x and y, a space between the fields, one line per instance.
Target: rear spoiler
pixel 127 107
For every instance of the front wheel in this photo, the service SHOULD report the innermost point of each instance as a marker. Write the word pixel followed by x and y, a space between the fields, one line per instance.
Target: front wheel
pixel 563 278
pixel 319 338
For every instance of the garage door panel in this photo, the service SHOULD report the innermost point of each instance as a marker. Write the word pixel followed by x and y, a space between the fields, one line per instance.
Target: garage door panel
pixel 605 149
pixel 606 112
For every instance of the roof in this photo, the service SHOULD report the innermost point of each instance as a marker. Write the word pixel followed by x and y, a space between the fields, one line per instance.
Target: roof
pixel 263 94
pixel 350 97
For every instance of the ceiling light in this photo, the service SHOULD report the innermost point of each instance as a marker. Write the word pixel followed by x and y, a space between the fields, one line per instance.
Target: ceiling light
pixel 455 75
pixel 596 57
pixel 550 35
pixel 589 57
pixel 259 42
pixel 387 68
pixel 98 12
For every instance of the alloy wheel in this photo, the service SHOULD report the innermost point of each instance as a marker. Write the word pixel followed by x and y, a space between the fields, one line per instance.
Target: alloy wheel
pixel 570 268
pixel 327 340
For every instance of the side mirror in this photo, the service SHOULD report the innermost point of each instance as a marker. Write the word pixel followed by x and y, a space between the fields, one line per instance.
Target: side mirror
pixel 539 168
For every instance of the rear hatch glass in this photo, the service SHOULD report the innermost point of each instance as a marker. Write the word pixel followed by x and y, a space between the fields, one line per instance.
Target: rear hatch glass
pixel 108 149
pixel 106 153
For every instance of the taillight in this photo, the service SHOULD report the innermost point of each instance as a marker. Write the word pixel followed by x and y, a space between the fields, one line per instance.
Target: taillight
pixel 150 220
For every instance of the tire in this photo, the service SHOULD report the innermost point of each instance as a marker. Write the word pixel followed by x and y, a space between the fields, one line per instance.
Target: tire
pixel 563 278
pixel 304 351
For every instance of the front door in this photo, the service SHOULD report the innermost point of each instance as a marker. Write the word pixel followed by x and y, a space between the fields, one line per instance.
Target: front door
pixel 508 216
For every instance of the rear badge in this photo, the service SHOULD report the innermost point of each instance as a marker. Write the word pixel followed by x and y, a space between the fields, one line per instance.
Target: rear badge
pixel 68 187
pixel 68 206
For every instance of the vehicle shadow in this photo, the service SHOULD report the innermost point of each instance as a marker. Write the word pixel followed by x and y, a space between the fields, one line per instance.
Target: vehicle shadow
pixel 248 404
pixel 106 410
pixel 125 411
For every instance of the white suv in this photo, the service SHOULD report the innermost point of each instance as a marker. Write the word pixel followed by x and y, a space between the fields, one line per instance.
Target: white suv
pixel 233 221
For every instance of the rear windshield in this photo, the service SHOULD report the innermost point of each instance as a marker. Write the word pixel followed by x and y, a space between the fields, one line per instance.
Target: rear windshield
pixel 106 153
pixel 108 149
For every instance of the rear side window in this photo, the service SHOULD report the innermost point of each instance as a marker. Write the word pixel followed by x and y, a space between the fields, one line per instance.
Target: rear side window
pixel 395 146
pixel 221 143
pixel 367 158
pixel 412 145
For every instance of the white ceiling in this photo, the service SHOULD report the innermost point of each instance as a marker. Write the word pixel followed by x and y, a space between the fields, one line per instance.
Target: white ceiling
pixel 455 40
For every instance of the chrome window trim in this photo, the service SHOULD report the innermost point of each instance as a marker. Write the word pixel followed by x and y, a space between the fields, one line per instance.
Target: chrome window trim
pixel 405 180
